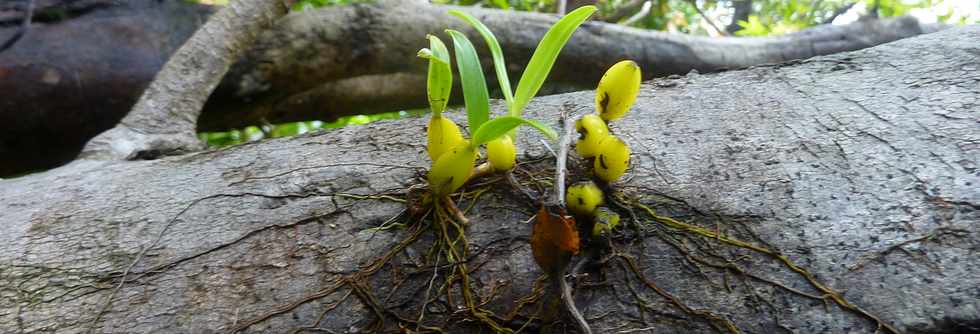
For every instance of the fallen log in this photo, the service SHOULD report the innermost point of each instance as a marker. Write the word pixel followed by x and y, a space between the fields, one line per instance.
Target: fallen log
pixel 69 80
pixel 835 194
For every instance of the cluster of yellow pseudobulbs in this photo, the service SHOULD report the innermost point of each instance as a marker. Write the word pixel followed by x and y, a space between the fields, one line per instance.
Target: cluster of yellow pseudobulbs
pixel 615 95
pixel 453 157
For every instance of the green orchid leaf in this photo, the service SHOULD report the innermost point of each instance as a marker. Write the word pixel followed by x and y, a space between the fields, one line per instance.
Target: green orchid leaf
pixel 440 80
pixel 500 126
pixel 499 66
pixel 544 57
pixel 471 77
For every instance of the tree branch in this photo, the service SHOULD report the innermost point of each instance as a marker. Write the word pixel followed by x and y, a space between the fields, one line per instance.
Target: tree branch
pixel 827 163
pixel 743 8
pixel 711 22
pixel 370 39
pixel 24 26
pixel 838 12
pixel 644 11
pixel 624 11
pixel 164 120
pixel 327 63
pixel 284 86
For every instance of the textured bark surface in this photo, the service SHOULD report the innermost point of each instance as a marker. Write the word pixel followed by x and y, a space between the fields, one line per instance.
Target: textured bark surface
pixel 69 80
pixel 859 166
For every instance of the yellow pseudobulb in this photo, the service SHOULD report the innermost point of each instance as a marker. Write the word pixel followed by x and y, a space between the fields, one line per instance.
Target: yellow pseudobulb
pixel 502 153
pixel 452 169
pixel 582 198
pixel 591 130
pixel 443 135
pixel 617 90
pixel 613 159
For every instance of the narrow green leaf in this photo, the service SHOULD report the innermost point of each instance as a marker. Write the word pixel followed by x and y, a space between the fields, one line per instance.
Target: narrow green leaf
pixel 440 80
pixel 499 66
pixel 544 57
pixel 471 77
pixel 500 126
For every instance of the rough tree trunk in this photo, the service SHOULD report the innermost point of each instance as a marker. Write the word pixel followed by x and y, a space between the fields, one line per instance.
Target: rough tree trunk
pixel 860 167
pixel 69 80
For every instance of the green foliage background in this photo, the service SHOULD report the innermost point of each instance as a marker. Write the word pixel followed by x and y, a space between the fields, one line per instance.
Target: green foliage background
pixel 769 17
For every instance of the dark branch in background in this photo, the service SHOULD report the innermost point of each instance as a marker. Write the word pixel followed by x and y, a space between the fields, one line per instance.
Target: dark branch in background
pixel 838 12
pixel 80 70
pixel 326 63
pixel 743 8
pixel 873 11
pixel 571 5
pixel 624 11
pixel 771 134
pixel 644 11
pixel 164 120
pixel 24 26
pixel 50 11
pixel 711 22
pixel 275 80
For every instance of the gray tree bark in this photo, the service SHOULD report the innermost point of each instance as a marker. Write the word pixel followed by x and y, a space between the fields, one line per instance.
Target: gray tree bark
pixel 860 167
pixel 84 74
